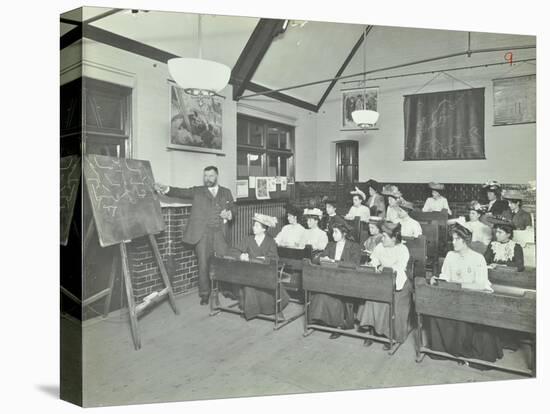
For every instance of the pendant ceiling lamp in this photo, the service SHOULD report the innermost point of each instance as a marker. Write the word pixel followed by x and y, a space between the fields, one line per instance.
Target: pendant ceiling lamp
pixel 365 118
pixel 198 76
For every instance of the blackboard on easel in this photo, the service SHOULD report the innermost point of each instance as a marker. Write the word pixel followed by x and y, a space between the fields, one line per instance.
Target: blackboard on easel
pixel 69 181
pixel 124 203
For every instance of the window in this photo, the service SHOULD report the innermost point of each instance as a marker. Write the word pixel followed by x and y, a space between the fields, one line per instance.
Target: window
pixel 264 148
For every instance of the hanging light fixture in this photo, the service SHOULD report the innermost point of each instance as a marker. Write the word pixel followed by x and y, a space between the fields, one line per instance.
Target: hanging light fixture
pixel 197 76
pixel 365 118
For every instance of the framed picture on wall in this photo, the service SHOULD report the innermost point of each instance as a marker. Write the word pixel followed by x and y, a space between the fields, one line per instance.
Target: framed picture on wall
pixel 515 100
pixel 195 124
pixel 352 99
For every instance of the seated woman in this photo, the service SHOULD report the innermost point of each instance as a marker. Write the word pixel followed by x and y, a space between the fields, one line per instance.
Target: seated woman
pixel 520 218
pixel 313 235
pixel 375 238
pixel 292 234
pixel 481 232
pixel 463 265
pixel 358 209
pixel 496 206
pixel 504 251
pixel 409 226
pixel 437 202
pixel 328 309
pixel 393 195
pixel 376 202
pixel 331 218
pixel 374 315
pixel 260 245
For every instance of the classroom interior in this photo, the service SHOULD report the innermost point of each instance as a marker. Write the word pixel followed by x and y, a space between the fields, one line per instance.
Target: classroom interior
pixel 281 117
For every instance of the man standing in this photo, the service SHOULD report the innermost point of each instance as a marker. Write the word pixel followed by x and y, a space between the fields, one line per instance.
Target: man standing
pixel 212 210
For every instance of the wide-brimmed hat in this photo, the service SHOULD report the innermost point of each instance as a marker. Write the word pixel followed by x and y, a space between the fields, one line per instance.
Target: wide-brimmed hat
pixel 391 191
pixel 513 195
pixel 374 185
pixel 389 227
pixel 293 210
pixel 313 212
pixel 491 185
pixel 461 231
pixel 501 222
pixel 264 219
pixel 476 206
pixel 375 220
pixel 436 186
pixel 405 205
pixel 358 192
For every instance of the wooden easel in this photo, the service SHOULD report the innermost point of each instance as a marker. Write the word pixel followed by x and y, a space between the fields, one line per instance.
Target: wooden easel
pixel 106 293
pixel 133 309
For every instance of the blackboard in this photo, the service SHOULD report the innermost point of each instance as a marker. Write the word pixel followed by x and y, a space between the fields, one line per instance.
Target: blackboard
pixel 515 100
pixel 68 182
pixel 123 201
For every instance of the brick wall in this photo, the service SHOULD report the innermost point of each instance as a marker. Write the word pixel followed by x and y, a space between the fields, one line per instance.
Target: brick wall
pixel 458 195
pixel 183 272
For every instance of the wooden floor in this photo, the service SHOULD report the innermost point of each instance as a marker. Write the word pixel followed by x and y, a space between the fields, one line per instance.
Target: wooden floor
pixel 194 356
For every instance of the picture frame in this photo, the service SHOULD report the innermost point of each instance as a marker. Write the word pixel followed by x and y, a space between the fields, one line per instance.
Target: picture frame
pixel 352 99
pixel 195 124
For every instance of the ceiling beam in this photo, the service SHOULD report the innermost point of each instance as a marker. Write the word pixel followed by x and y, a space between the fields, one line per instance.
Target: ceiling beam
pixel 254 87
pixel 124 43
pixel 344 66
pixel 253 53
pixel 102 15
pixel 72 36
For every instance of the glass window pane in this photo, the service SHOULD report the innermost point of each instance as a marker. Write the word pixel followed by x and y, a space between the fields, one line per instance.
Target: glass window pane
pixel 242 131
pixel 255 162
pixel 284 167
pixel 242 164
pixel 256 135
pixel 272 165
pixel 108 110
pixel 283 140
pixel 273 138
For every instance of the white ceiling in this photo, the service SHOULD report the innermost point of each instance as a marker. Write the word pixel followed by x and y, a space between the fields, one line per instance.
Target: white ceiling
pixel 304 53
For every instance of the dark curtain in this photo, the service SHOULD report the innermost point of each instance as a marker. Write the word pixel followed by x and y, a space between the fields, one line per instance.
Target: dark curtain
pixel 445 125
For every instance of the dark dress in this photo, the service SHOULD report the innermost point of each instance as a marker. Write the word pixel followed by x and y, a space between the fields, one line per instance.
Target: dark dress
pixel 499 208
pixel 253 301
pixel 509 254
pixel 520 220
pixel 334 310
pixel 329 222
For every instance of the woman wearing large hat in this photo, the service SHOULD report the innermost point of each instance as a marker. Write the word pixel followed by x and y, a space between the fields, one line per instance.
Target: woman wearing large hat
pixel 520 218
pixel 481 232
pixel 496 206
pixel 314 236
pixel 375 202
pixel 468 268
pixel 331 218
pixel 409 226
pixel 292 234
pixel 392 195
pixel 358 209
pixel 375 234
pixel 259 245
pixel 436 201
pixel 394 254
pixel 504 250
pixel 333 310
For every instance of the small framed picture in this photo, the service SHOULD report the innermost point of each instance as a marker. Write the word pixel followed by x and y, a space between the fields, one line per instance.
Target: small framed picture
pixel 352 99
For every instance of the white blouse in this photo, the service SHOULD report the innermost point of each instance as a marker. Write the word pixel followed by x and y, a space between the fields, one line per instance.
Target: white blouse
pixel 317 238
pixel 480 232
pixel 291 235
pixel 468 269
pixel 410 227
pixel 362 211
pixel 438 204
pixel 392 214
pixel 396 257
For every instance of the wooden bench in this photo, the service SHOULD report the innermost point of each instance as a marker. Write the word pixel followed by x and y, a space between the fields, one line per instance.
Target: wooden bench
pixel 261 274
pixel 431 232
pixel 509 276
pixel 448 300
pixel 360 229
pixel 290 263
pixel 439 218
pixel 358 282
pixel 418 252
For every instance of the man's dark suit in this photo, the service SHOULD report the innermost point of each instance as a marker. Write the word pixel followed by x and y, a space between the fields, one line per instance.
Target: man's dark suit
pixel 205 228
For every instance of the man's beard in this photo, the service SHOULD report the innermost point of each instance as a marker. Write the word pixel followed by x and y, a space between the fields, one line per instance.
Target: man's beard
pixel 210 183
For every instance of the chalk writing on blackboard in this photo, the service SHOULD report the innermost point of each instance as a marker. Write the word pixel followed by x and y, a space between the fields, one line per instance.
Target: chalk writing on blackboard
pixel 68 182
pixel 123 201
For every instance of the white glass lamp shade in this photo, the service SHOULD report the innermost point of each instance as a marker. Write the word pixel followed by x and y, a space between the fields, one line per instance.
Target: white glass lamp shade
pixel 365 118
pixel 199 76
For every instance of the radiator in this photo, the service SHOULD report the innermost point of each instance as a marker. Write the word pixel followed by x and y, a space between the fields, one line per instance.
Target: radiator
pixel 242 224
